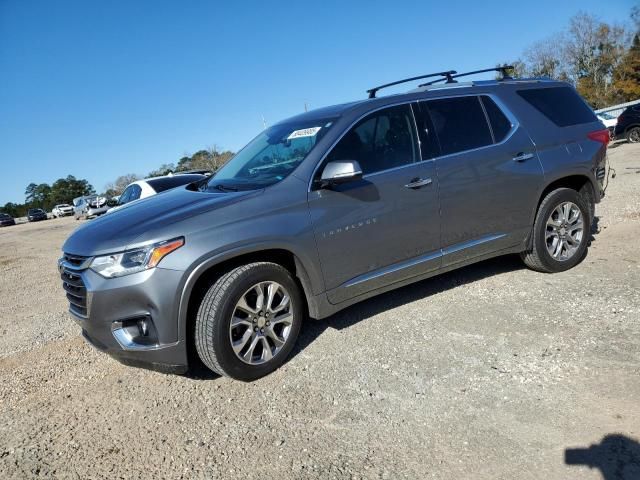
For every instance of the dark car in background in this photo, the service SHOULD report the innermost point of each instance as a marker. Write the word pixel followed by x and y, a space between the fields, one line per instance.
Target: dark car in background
pixel 36 214
pixel 628 125
pixel 6 220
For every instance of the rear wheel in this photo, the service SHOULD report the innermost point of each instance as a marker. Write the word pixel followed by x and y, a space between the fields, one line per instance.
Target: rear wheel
pixel 633 135
pixel 248 321
pixel 560 232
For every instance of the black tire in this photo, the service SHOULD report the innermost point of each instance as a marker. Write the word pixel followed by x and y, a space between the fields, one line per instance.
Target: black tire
pixel 539 258
pixel 217 307
pixel 633 135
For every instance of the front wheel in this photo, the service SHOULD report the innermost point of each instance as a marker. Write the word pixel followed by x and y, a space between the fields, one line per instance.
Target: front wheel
pixel 249 320
pixel 560 232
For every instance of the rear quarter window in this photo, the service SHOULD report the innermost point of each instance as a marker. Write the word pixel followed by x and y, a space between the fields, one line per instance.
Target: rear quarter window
pixel 500 124
pixel 562 105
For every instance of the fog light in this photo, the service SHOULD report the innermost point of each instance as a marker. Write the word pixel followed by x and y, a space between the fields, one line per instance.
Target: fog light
pixel 143 327
pixel 137 333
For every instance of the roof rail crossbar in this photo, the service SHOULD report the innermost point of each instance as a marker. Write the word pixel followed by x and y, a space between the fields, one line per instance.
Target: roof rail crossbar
pixel 502 70
pixel 448 76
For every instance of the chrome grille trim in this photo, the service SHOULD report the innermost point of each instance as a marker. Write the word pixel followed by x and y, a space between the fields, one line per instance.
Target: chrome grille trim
pixel 70 267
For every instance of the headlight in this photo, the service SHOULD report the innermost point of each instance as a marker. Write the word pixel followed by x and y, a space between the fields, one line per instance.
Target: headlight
pixel 133 261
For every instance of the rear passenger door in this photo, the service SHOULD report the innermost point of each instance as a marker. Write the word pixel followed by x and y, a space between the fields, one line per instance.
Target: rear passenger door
pixel 488 172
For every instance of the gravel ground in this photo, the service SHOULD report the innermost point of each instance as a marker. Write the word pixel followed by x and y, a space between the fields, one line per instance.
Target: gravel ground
pixel 492 371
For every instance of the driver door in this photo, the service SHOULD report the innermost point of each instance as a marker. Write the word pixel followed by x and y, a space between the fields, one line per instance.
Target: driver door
pixel 384 227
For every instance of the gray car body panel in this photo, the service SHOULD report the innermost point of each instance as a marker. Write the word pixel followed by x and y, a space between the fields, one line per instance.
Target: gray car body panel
pixel 350 241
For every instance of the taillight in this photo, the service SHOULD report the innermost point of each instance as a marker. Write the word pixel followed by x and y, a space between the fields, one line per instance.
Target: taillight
pixel 601 136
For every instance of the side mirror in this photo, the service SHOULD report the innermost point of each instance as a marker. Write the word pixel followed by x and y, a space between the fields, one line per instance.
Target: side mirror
pixel 340 171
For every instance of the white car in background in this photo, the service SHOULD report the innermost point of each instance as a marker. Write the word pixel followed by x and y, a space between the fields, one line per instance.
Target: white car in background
pixel 89 206
pixel 609 121
pixel 62 210
pixel 152 186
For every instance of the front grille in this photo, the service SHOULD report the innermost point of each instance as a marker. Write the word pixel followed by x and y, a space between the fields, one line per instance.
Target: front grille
pixel 75 261
pixel 73 284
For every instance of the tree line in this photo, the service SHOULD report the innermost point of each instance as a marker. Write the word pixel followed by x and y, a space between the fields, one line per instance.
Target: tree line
pixel 46 196
pixel 64 190
pixel 601 60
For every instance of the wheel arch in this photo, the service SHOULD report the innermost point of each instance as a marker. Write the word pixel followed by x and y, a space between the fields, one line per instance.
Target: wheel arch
pixel 581 183
pixel 210 269
pixel 628 128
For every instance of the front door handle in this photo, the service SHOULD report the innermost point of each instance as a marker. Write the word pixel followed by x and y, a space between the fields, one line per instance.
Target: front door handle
pixel 418 182
pixel 521 157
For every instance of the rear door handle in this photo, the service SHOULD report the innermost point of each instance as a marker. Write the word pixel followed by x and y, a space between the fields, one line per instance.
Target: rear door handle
pixel 521 157
pixel 418 182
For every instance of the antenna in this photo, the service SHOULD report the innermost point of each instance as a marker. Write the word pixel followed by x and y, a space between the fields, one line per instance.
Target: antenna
pixel 264 123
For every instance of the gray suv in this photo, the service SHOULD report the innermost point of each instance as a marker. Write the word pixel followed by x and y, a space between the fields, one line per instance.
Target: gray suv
pixel 334 206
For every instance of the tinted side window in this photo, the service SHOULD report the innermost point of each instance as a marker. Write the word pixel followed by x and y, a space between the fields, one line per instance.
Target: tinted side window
pixel 382 140
pixel 124 196
pixel 500 124
pixel 562 105
pixel 135 193
pixel 460 124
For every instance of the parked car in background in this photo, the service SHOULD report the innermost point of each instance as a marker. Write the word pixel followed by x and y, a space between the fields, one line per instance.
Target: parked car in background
pixel 333 206
pixel 609 121
pixel 152 186
pixel 6 220
pixel 62 210
pixel 628 125
pixel 89 206
pixel 36 214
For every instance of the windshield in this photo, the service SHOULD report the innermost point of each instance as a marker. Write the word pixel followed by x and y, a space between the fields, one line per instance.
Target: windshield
pixel 270 157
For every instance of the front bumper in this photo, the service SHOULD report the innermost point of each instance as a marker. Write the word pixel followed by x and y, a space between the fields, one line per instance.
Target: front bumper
pixel 114 305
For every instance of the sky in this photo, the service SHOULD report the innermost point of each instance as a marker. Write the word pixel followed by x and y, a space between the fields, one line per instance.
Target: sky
pixel 99 89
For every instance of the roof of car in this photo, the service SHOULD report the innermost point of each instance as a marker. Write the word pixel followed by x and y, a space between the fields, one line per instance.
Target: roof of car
pixel 333 111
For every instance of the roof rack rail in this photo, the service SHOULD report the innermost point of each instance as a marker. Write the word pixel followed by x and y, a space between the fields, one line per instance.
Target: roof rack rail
pixel 502 70
pixel 448 76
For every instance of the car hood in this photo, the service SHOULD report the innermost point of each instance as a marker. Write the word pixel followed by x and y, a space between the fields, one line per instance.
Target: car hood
pixel 138 222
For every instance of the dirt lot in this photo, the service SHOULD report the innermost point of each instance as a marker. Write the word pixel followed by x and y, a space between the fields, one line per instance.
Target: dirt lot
pixel 492 371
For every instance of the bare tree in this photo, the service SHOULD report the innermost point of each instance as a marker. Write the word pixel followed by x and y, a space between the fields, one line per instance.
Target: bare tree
pixel 544 58
pixel 592 52
pixel 117 187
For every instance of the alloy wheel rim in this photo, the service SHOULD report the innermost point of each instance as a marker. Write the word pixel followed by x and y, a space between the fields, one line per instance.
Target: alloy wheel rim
pixel 261 323
pixel 634 135
pixel 564 231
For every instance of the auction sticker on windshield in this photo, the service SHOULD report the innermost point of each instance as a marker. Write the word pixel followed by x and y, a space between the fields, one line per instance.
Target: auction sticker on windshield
pixel 305 132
